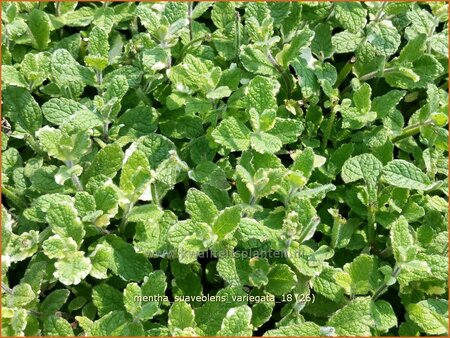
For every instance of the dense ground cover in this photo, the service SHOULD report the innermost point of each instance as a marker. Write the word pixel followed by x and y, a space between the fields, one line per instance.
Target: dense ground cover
pixel 224 169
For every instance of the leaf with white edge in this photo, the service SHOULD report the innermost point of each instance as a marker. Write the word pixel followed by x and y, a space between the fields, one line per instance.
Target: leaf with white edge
pixel 64 221
pixel 59 247
pixel 431 315
pixel 71 270
pixel 237 322
pixel 22 294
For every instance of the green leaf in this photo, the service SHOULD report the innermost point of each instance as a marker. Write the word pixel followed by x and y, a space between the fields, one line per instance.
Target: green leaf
pixel 125 262
pixel 366 167
pixel 360 276
pixel 287 130
pixel 351 15
pixel 232 134
pixel 57 326
pixel 106 162
pixel 291 50
pixel 281 279
pixel 403 174
pixel 346 41
pixel 383 36
pixel 431 315
pixel 326 285
pixel 383 315
pixel 227 221
pixel 59 110
pixel 200 207
pixel 260 94
pixel 107 299
pixel 181 316
pixel 98 49
pixel 54 301
pixel 265 143
pixel 402 241
pixel 353 319
pixel 66 73
pixel 305 329
pixel 22 109
pixel 39 23
pixel 255 61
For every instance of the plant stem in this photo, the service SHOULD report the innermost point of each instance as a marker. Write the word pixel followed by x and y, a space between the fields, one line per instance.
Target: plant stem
pixel 329 127
pixel 14 197
pixel 124 222
pixel 371 75
pixel 371 224
pixel 411 130
pixel 280 70
pixel 238 34
pixel 190 43
pixel 191 33
pixel 99 78
pixel 380 11
pixel 76 181
pixel 33 144
pixel 344 72
pixel 383 287
pixel 7 289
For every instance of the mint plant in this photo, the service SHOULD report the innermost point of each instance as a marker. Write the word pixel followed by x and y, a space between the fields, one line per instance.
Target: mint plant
pixel 224 168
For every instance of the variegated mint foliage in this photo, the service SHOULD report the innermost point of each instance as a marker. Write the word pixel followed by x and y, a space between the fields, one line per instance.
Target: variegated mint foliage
pixel 224 169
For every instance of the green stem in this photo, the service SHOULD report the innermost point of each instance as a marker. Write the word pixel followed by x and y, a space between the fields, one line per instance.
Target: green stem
pixel 371 75
pixel 34 144
pixel 99 78
pixel 383 287
pixel 75 180
pixel 280 70
pixel 380 12
pixel 329 127
pixel 190 43
pixel 124 222
pixel 14 197
pixel 191 33
pixel 371 224
pixel 411 130
pixel 238 34
pixel 7 289
pixel 344 72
